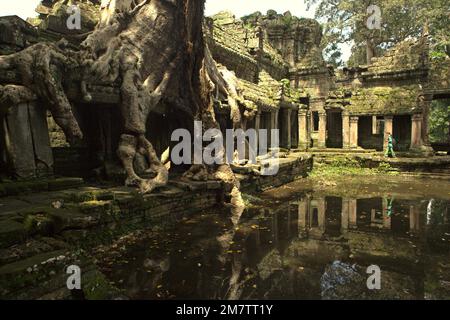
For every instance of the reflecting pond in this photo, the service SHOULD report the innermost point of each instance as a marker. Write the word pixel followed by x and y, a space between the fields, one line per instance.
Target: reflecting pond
pixel 304 245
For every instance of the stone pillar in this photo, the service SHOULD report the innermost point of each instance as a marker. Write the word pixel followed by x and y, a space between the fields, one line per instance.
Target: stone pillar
pixel 269 122
pixel 286 128
pixel 352 213
pixel 354 132
pixel 388 128
pixel 275 124
pixel 345 215
pixel 346 130
pixel 416 131
pixel 303 129
pixel 302 214
pixel 374 125
pixel 322 143
pixel 425 107
pixel 257 127
pixel 260 35
pixel 27 142
pixel 414 218
pixel 386 216
pixel 294 129
pixel 321 207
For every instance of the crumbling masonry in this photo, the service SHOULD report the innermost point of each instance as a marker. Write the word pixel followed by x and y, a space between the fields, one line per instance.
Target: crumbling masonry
pixel 272 76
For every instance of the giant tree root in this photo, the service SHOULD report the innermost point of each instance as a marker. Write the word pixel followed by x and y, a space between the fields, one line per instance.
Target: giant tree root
pixel 40 68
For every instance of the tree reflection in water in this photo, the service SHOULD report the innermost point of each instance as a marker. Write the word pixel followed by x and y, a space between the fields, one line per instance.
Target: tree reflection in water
pixel 284 251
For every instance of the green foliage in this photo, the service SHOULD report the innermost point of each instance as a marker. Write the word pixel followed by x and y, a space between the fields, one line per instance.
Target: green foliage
pixel 439 121
pixel 286 86
pixel 348 167
pixel 344 21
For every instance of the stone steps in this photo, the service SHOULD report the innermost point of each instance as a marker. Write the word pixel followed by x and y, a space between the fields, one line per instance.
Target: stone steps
pixel 341 151
pixel 15 188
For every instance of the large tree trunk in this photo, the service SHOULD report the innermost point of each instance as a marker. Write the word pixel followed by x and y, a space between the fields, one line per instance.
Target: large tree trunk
pixel 370 50
pixel 156 51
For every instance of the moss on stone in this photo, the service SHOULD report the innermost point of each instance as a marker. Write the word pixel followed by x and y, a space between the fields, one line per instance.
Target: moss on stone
pixel 96 287
pixel 384 100
pixel 11 232
pixel 39 223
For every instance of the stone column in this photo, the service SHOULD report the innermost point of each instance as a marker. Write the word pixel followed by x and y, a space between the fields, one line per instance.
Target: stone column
pixel 302 216
pixel 294 129
pixel 345 215
pixel 414 218
pixel 346 130
pixel 354 132
pixel 269 122
pixel 276 124
pixel 302 129
pixel 257 127
pixel 322 129
pixel 386 216
pixel 275 119
pixel 352 213
pixel 416 131
pixel 321 207
pixel 388 128
pixel 374 125
pixel 425 106
pixel 286 128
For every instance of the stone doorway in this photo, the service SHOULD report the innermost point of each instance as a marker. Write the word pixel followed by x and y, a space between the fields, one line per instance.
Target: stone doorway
pixel 371 132
pixel 402 132
pixel 334 129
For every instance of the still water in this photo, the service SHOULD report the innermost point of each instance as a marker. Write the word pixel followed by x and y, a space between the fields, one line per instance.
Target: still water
pixel 305 245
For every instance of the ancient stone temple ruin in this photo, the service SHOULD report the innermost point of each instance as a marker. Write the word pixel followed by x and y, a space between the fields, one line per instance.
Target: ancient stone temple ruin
pixel 351 108
pixel 86 135
pixel 280 72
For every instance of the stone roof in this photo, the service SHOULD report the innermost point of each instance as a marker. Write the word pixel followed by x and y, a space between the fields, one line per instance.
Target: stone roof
pixel 297 40
pixel 241 38
pixel 384 100
pixel 269 93
pixel 265 94
pixel 53 15
pixel 408 55
pixel 15 34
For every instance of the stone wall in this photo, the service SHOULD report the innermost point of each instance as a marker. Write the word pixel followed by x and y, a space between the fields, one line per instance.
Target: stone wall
pixel 294 166
pixel 25 144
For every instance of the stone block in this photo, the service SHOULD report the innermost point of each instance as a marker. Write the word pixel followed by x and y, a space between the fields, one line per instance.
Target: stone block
pixel 41 141
pixel 21 150
pixel 11 232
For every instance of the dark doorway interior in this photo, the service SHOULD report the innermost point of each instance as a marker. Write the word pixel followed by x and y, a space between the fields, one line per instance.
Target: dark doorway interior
pixel 402 133
pixel 333 216
pixel 334 128
pixel 370 133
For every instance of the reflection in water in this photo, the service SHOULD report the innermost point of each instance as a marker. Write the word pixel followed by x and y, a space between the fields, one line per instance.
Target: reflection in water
pixel 308 248
pixel 429 210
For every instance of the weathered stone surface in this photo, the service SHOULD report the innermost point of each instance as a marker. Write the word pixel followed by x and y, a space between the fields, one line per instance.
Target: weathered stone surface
pixel 21 141
pixel 11 232
pixel 39 129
